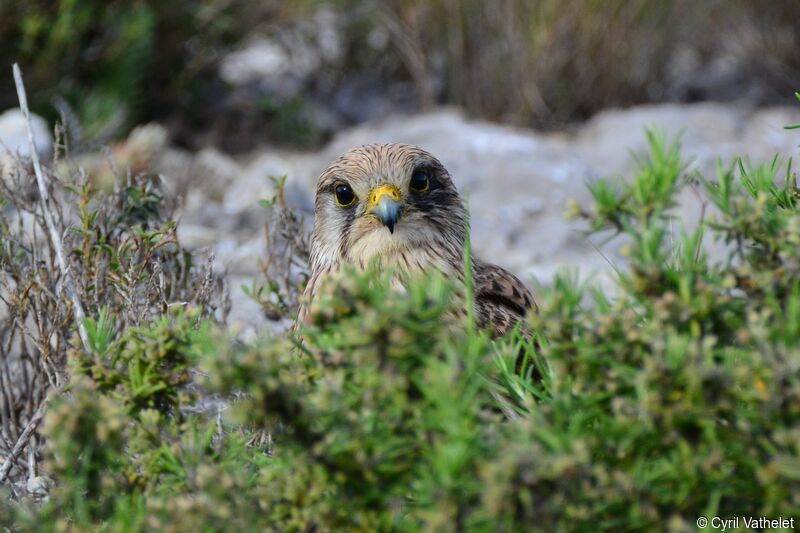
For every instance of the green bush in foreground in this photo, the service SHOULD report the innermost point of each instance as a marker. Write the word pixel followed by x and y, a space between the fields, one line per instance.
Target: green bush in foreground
pixel 675 397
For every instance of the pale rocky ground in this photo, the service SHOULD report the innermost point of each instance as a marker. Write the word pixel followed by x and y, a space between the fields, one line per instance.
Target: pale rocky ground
pixel 14 137
pixel 516 182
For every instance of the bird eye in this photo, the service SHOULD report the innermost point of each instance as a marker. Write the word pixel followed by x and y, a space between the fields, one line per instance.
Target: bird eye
pixel 420 181
pixel 345 197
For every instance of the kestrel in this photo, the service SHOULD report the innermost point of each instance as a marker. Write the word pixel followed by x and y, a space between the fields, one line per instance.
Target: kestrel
pixel 397 203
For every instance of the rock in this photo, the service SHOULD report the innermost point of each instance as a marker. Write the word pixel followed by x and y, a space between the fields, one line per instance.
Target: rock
pixel 174 166
pixel 608 139
pixel 282 63
pixel 367 96
pixel 138 153
pixel 256 61
pixel 14 137
pixel 215 172
pixel 516 182
pixel 40 486
pixel 288 82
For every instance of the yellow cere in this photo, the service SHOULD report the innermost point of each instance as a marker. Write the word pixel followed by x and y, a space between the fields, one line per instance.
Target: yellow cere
pixel 383 190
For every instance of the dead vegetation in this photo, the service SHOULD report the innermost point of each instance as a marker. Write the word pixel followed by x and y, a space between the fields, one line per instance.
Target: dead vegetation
pixel 84 250
pixel 285 267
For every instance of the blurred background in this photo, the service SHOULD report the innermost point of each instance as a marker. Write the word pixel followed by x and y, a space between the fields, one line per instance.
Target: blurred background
pixel 523 101
pixel 240 73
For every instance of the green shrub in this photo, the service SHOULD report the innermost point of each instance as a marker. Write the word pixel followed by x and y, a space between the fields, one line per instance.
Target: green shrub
pixel 145 368
pixel 676 396
pixel 121 247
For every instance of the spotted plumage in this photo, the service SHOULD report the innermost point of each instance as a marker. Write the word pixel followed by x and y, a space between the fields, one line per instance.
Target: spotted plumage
pixel 396 204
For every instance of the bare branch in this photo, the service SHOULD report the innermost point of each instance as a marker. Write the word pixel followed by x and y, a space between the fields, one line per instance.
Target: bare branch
pixel 55 238
pixel 23 439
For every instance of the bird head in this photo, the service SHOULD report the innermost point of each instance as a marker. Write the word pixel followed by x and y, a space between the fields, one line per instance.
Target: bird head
pixel 386 200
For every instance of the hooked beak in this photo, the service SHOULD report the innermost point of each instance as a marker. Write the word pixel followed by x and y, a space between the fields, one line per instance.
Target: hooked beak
pixel 385 201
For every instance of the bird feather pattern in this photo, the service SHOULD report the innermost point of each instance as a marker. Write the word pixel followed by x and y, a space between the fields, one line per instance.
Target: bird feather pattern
pixel 396 204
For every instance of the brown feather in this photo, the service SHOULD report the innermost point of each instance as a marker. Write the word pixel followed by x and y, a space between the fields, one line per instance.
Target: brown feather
pixel 501 299
pixel 429 236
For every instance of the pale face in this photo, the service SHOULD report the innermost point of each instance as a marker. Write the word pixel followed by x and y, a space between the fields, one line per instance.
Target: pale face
pixel 395 203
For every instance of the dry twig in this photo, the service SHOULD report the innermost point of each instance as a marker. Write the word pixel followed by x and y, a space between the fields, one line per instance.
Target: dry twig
pixel 23 439
pixel 69 282
pixel 55 238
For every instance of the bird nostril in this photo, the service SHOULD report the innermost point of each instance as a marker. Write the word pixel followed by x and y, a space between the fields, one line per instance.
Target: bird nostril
pixel 384 190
